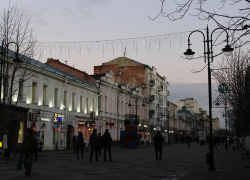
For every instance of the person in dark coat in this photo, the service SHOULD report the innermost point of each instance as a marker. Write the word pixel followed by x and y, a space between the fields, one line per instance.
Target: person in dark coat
pixel 94 143
pixel 74 144
pixel 188 140
pixel 100 147
pixel 158 140
pixel 106 140
pixel 28 149
pixel 79 144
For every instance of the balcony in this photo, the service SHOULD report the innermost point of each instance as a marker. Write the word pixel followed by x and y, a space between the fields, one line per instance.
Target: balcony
pixel 152 98
pixel 151 82
pixel 168 93
pixel 159 114
pixel 160 101
pixel 151 112
pixel 160 87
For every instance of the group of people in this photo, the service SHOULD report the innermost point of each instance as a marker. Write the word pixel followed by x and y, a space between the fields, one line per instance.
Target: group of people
pixel 97 142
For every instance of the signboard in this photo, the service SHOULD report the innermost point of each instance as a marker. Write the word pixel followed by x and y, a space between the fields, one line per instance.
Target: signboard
pixel 45 119
pixel 55 126
pixel 58 118
pixel 223 88
pixel 202 135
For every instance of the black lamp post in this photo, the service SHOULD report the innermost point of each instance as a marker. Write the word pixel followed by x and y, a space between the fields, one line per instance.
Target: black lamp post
pixel 136 106
pixel 207 51
pixel 168 130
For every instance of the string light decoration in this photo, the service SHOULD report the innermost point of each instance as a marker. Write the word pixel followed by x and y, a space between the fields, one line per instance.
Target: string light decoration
pixel 103 45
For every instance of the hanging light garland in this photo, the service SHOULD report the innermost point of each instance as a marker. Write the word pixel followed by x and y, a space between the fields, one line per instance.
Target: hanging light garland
pixel 103 45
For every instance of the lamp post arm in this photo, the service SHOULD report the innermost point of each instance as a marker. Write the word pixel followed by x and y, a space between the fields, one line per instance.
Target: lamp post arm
pixel 17 51
pixel 204 40
pixel 211 41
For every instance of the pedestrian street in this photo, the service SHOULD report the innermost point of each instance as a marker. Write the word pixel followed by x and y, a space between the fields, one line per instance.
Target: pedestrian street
pixel 178 163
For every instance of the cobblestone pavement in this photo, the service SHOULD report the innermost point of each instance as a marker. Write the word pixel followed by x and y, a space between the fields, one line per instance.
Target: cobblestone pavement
pixel 178 163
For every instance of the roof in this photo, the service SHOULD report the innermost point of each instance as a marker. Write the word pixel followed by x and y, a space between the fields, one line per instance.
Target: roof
pixel 49 68
pixel 129 59
pixel 184 111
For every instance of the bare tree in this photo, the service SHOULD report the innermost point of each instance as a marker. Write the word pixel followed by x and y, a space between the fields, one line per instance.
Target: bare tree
pixel 17 43
pixel 236 75
pixel 237 25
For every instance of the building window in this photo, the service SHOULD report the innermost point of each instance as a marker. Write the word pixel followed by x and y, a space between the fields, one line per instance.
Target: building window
pixel 65 98
pixel 105 103
pixel 55 97
pixel 34 85
pixel 44 94
pixel 73 101
pixel 81 104
pixel 20 90
pixel 87 104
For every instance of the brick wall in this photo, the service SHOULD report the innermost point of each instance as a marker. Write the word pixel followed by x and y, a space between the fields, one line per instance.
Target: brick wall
pixel 57 64
pixel 132 75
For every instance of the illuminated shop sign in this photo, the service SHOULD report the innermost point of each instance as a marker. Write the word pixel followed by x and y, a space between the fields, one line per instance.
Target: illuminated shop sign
pixel 58 118
pixel 45 119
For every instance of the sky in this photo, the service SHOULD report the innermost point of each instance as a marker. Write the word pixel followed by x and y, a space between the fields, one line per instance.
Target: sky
pixel 85 24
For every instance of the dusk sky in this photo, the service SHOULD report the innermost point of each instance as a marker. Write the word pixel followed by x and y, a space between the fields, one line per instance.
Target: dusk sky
pixel 87 23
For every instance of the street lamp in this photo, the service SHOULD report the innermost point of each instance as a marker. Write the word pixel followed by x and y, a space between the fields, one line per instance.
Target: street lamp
pixel 189 55
pixel 136 106
pixel 168 129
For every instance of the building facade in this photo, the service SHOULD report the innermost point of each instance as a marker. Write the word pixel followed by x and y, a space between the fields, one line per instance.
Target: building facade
pixel 190 104
pixel 154 87
pixel 60 104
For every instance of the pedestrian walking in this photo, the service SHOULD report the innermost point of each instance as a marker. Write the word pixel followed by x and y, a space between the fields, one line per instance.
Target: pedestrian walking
pixel 94 143
pixel 182 139
pixel 38 146
pixel 100 147
pixel 158 140
pixel 74 145
pixel 106 140
pixel 188 140
pixel 28 149
pixel 79 144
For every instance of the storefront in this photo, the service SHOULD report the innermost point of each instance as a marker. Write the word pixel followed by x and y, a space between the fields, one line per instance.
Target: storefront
pixel 60 130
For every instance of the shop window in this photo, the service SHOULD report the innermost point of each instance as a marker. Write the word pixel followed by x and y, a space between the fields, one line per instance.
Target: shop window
pixel 44 94
pixel 20 133
pixel 20 90
pixel 55 97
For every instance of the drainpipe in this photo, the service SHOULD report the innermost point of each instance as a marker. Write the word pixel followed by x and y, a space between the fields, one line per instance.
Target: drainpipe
pixel 117 114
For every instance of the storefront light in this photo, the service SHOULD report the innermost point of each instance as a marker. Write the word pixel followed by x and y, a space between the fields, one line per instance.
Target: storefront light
pixel 89 129
pixel 79 129
pixel 1 144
